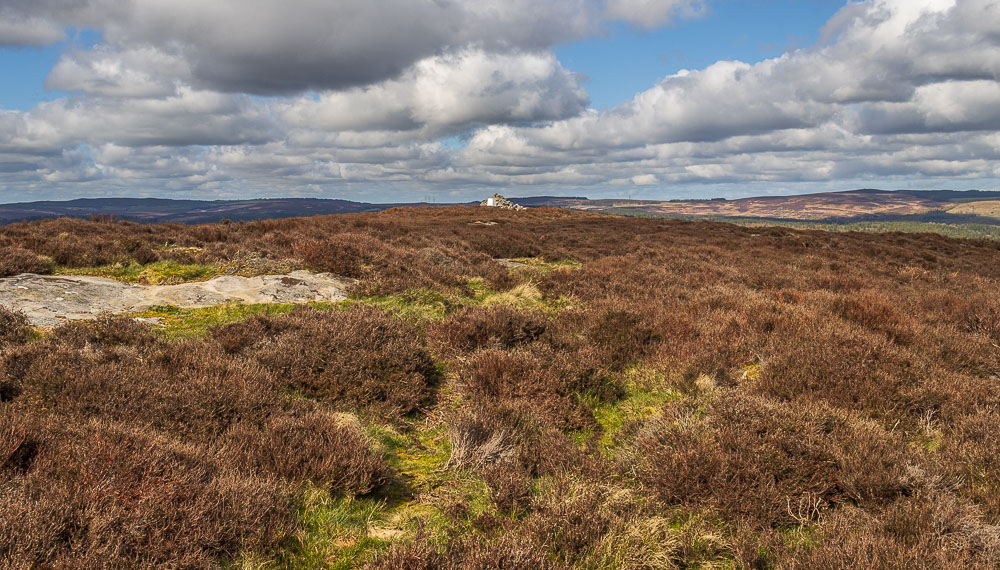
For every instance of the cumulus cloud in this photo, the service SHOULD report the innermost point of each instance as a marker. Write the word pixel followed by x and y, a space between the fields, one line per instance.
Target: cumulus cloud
pixel 274 47
pixel 886 67
pixel 142 71
pixel 187 118
pixel 653 13
pixel 448 93
pixel 17 30
pixel 359 95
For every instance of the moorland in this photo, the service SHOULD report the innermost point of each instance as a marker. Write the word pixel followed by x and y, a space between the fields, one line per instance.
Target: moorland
pixel 536 389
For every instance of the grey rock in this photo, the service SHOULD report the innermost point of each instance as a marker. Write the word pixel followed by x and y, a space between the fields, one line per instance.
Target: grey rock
pixel 50 300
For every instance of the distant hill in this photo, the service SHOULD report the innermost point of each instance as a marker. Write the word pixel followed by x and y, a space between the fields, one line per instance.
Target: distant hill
pixel 184 211
pixel 948 206
pixel 153 210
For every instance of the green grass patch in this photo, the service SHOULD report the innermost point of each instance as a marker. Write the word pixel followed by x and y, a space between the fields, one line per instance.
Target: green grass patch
pixel 646 391
pixel 341 532
pixel 422 305
pixel 415 304
pixel 540 266
pixel 425 486
pixel 335 532
pixel 931 440
pixel 525 296
pixel 181 323
pixel 419 453
pixel 801 536
pixel 419 305
pixel 156 273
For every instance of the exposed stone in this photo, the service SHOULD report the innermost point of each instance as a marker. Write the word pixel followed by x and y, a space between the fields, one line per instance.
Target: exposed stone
pixel 511 264
pixel 50 300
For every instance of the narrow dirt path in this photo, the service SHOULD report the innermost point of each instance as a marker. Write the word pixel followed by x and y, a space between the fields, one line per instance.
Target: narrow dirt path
pixel 50 300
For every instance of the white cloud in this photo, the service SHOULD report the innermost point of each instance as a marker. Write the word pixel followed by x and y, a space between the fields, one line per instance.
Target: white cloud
pixel 888 67
pixel 279 47
pixel 644 179
pixel 653 13
pixel 447 93
pixel 17 30
pixel 894 89
pixel 188 118
pixel 133 72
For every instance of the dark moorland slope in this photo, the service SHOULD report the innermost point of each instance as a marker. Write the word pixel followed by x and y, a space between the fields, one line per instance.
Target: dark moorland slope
pixel 641 393
pixel 153 210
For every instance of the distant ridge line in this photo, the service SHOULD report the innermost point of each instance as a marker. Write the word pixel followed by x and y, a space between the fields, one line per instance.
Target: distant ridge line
pixel 187 211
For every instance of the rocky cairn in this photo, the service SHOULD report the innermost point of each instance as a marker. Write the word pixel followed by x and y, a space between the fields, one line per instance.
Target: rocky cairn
pixel 498 201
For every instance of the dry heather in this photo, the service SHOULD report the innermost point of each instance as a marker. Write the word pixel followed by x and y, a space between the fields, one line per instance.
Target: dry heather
pixel 684 394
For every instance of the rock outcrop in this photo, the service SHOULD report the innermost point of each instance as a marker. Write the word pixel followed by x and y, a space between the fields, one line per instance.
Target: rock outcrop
pixel 50 300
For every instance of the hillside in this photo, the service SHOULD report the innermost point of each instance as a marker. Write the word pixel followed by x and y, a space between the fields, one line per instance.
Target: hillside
pixel 546 388
pixel 920 206
pixel 161 210
pixel 853 205
pixel 182 211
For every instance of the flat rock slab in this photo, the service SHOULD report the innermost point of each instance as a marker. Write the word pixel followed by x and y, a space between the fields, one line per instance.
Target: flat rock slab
pixel 50 300
pixel 511 264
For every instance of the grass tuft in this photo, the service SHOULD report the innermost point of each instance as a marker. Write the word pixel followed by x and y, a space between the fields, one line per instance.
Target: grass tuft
pixel 164 272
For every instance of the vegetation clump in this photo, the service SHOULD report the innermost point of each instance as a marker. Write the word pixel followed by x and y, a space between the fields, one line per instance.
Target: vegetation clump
pixel 15 260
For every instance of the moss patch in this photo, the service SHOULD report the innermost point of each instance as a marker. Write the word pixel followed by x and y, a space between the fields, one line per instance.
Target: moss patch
pixel 415 304
pixel 156 273
pixel 525 296
pixel 346 532
pixel 646 391
pixel 333 533
pixel 540 266
pixel 179 323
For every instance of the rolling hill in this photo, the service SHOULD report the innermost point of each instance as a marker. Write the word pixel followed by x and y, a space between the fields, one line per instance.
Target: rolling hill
pixel 944 206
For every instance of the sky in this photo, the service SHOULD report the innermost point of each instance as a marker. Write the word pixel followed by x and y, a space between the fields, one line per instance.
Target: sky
pixel 449 100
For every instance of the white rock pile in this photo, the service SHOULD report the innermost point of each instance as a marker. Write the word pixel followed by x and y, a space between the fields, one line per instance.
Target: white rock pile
pixel 498 201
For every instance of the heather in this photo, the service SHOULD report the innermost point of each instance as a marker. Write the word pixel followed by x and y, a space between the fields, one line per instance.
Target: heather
pixel 632 393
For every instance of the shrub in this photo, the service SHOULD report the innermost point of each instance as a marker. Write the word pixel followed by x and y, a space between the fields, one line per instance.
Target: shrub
pixel 917 532
pixel 102 494
pixel 308 446
pixel 347 254
pixel 818 400
pixel 841 367
pixel 473 553
pixel 472 329
pixel 622 337
pixel 538 378
pixel 508 447
pixel 14 327
pixel 348 359
pixel 15 260
pixel 504 434
pixel 750 458
pixel 875 312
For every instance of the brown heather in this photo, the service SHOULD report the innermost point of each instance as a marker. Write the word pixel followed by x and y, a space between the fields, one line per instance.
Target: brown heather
pixel 691 394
